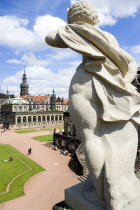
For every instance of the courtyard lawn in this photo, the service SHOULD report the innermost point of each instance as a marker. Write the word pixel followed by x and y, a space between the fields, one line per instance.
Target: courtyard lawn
pixel 19 170
pixel 50 129
pixel 44 138
pixel 46 129
pixel 27 131
pixel 61 127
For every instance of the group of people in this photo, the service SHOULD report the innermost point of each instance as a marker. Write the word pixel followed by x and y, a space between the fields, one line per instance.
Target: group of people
pixel 62 152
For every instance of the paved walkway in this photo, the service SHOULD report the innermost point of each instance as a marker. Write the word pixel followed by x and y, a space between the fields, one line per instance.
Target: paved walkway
pixel 46 188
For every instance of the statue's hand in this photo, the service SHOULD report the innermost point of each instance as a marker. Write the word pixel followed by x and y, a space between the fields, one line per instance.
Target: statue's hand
pixel 53 39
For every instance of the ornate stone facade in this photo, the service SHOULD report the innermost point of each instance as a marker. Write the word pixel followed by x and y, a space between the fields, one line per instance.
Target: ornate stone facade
pixel 16 115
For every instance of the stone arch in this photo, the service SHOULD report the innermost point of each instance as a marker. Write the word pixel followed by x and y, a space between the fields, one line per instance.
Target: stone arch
pixel 39 118
pixel 43 118
pixel 24 119
pixel 34 118
pixel 15 108
pixel 60 117
pixel 25 109
pixel 29 119
pixel 20 108
pixel 19 120
pixel 56 117
pixel 52 118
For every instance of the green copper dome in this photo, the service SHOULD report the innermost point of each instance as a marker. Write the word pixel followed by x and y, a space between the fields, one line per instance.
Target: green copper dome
pixel 16 100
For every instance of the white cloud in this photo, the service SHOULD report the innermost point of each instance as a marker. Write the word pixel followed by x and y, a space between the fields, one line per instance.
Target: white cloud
pixel 30 59
pixel 14 61
pixel 14 32
pixel 41 80
pixel 44 24
pixel 136 49
pixel 110 10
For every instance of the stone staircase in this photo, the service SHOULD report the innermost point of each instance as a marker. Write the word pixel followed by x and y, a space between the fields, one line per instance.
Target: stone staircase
pixel 137 164
pixel 85 171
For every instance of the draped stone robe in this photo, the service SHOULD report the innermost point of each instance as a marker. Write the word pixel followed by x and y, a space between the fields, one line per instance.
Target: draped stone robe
pixel 119 101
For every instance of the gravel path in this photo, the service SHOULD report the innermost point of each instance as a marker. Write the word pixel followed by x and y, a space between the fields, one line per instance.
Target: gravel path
pixel 46 188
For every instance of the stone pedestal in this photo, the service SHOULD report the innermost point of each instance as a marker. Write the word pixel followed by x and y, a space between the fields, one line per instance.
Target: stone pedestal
pixel 74 197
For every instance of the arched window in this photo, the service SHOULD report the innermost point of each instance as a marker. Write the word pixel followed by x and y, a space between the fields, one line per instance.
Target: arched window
pixel 29 119
pixel 19 120
pixel 34 118
pixel 52 118
pixel 48 118
pixel 43 118
pixel 25 109
pixel 15 109
pixel 39 119
pixel 56 117
pixel 60 117
pixel 20 109
pixel 24 119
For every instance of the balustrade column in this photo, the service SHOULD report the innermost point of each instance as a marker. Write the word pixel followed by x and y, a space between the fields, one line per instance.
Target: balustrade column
pixel 22 120
pixel 15 120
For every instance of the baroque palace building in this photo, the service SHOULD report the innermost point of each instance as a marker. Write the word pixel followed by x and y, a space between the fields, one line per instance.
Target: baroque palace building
pixel 16 115
pixel 27 111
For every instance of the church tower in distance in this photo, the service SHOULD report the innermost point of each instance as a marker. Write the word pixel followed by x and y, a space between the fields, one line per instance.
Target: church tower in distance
pixel 24 86
pixel 53 100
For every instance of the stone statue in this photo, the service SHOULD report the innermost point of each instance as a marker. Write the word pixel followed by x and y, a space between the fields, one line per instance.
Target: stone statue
pixel 104 107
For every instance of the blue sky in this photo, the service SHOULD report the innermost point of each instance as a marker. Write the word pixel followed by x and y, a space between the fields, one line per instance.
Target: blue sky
pixel 24 25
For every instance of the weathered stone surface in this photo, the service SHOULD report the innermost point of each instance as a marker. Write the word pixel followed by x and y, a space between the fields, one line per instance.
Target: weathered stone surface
pixel 104 107
pixel 75 198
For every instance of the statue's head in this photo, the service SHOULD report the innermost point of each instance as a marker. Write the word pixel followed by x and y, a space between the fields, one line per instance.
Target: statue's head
pixel 84 12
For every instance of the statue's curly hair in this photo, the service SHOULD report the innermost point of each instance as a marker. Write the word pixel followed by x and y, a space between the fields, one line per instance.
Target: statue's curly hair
pixel 84 12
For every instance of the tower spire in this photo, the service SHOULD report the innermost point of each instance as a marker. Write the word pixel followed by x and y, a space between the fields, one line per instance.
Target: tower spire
pixel 7 91
pixel 53 89
pixel 24 85
pixel 53 100
pixel 24 70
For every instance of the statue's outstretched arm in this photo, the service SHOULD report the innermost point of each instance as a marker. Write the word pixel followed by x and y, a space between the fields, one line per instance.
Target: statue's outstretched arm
pixel 53 39
pixel 132 68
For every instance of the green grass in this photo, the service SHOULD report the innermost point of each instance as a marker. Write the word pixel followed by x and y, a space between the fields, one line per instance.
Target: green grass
pixel 27 131
pixel 46 129
pixel 9 170
pixel 42 129
pixel 44 138
pixel 50 129
pixel 61 127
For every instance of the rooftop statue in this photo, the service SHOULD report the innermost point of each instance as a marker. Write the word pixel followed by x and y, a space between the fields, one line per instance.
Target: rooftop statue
pixel 104 107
